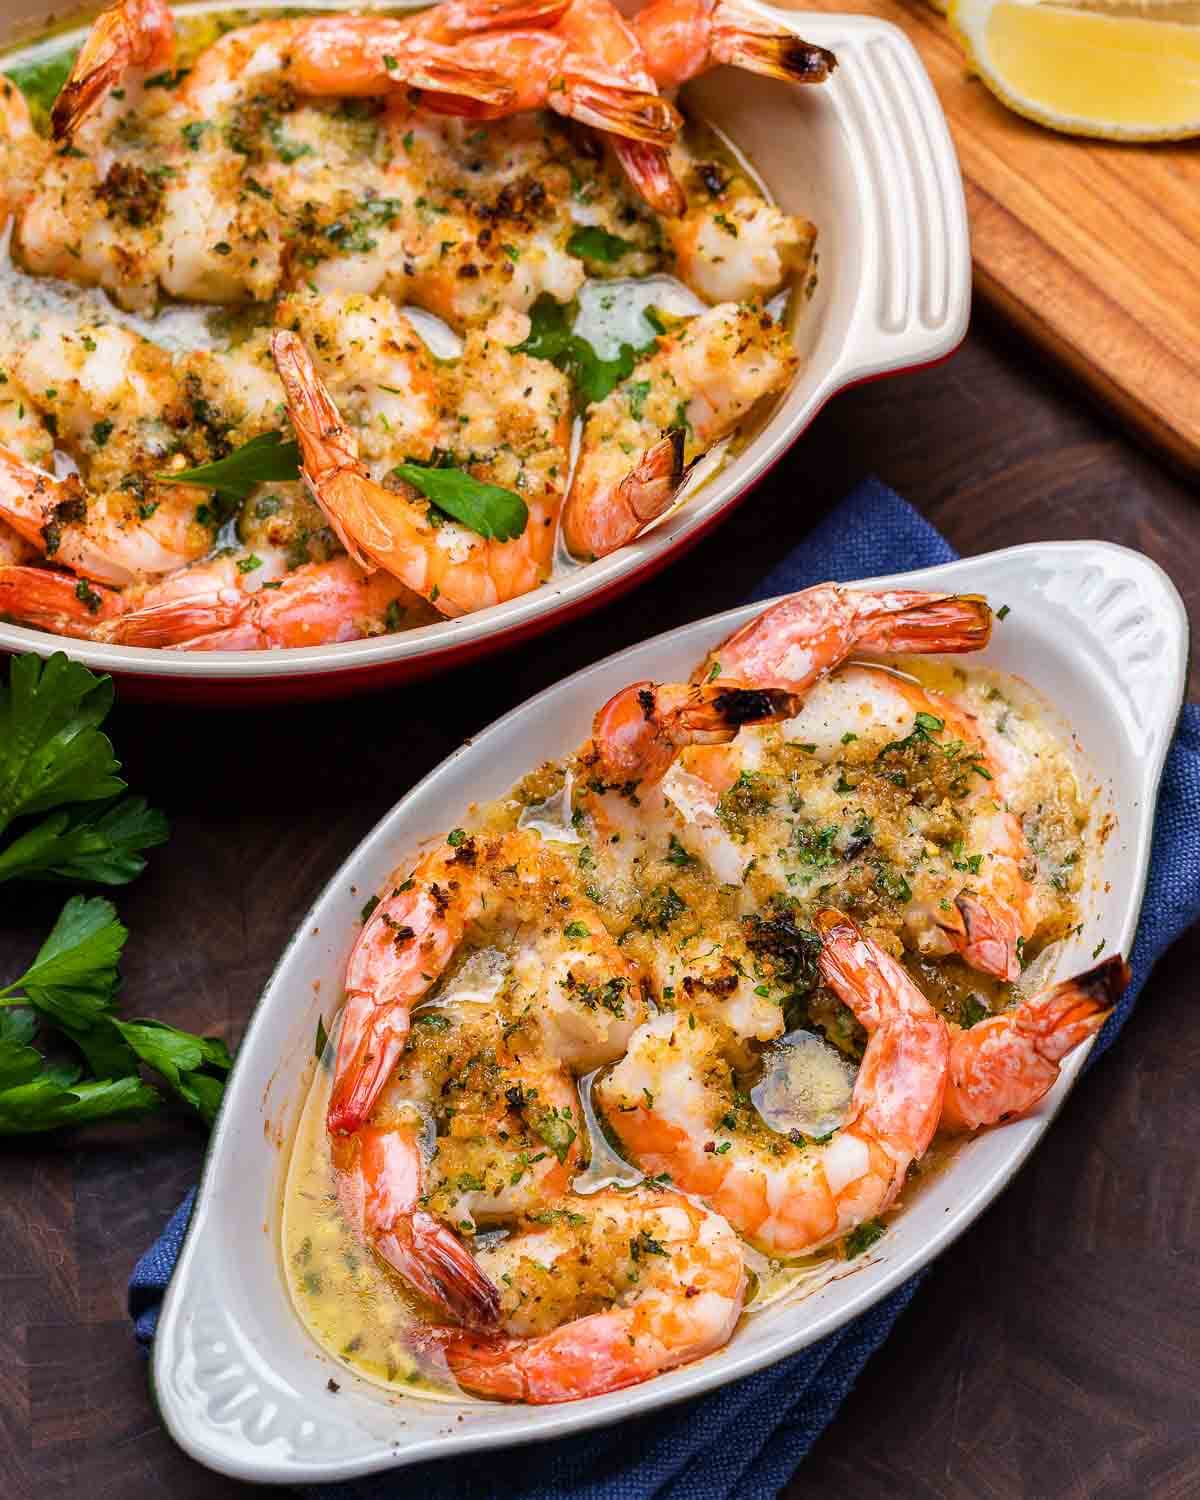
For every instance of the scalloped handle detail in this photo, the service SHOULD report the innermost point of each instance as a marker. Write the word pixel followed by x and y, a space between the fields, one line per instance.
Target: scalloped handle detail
pixel 916 289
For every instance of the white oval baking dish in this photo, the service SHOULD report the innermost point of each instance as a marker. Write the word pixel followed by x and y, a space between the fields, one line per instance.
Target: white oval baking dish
pixel 1098 631
pixel 868 159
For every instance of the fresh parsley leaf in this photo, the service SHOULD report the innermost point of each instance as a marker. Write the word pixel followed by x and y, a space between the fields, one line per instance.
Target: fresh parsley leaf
pixel 590 242
pixel 51 748
pixel 262 460
pixel 19 1063
pixel 74 976
pixel 73 979
pixel 55 1099
pixel 101 844
pixel 492 512
pixel 550 337
pixel 36 1095
pixel 41 81
pixel 181 1058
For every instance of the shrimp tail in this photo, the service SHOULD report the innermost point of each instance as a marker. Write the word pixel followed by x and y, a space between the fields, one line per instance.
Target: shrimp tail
pixel 129 33
pixel 639 729
pixel 54 601
pixel 1002 1067
pixel 989 938
pixel 327 448
pixel 178 622
pixel 372 1039
pixel 649 169
pixel 1074 1009
pixel 450 87
pixel 379 1184
pixel 463 17
pixel 905 620
pixel 434 1261
pixel 609 104
pixel 598 522
pixel 741 40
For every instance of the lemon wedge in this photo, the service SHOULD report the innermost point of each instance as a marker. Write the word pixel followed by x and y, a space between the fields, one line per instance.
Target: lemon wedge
pixel 1124 72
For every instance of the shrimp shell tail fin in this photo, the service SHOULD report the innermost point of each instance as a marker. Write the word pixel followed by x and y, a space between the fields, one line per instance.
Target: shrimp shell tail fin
pixel 79 96
pixel 176 622
pixel 598 522
pixel 649 169
pixel 650 488
pixel 1067 1014
pixel 487 1366
pixel 373 1036
pixel 989 943
pixel 608 104
pixel 449 82
pixel 468 16
pixel 55 601
pixel 327 450
pixel 437 1264
pixel 459 1282
pixel 905 620
pixel 740 40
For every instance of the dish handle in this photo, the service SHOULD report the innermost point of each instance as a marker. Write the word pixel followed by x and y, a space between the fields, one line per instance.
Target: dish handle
pixel 913 297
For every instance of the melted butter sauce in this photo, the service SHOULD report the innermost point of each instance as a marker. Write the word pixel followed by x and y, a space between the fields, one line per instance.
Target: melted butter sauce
pixel 362 1314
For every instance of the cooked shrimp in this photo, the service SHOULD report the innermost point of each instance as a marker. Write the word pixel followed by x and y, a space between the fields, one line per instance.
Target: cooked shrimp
pixel 99 536
pixel 761 672
pixel 691 391
pixel 490 1070
pixel 285 49
pixel 415 931
pixel 683 38
pixel 228 603
pixel 605 1291
pixel 221 606
pixel 355 55
pixel 379 1187
pixel 596 28
pixel 114 399
pixel 23 154
pixel 541 69
pixel 506 1118
pixel 128 35
pixel 547 72
pixel 455 569
pixel 672 1104
pixel 1002 1066
pixel 992 906
pixel 729 243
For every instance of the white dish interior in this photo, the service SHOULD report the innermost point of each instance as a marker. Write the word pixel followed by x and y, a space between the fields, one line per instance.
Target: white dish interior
pixel 1098 631
pixel 867 157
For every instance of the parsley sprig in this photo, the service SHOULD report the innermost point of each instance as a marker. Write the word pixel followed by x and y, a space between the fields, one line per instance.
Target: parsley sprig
pixel 55 761
pixel 58 768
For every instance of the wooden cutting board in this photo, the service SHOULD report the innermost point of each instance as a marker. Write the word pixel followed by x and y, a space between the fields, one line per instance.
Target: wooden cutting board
pixel 1091 248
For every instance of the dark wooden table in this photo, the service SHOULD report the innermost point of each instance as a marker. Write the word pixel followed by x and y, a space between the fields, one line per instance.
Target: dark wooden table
pixel 1053 1350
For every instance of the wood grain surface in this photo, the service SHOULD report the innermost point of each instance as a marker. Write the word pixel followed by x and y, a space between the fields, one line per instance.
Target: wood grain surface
pixel 1051 1352
pixel 1089 247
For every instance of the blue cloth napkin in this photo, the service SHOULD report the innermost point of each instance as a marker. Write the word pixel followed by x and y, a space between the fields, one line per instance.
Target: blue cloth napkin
pixel 745 1441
